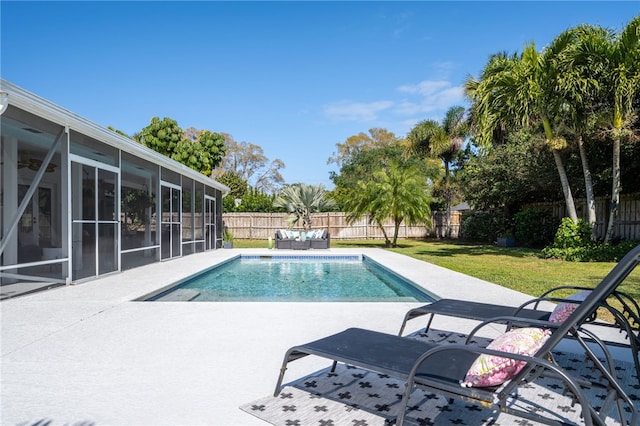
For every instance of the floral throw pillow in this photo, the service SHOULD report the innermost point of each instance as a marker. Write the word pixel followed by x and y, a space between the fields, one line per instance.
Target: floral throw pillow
pixel 564 309
pixel 489 370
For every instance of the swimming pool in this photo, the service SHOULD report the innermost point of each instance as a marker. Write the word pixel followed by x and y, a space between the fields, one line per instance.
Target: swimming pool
pixel 295 279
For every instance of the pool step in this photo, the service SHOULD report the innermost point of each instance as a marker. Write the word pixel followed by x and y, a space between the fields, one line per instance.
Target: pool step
pixel 181 295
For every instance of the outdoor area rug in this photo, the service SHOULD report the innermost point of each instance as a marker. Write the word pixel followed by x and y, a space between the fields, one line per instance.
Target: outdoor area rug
pixel 357 397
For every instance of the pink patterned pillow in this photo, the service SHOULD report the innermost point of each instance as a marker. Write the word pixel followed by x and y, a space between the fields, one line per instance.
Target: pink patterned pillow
pixel 564 309
pixel 489 370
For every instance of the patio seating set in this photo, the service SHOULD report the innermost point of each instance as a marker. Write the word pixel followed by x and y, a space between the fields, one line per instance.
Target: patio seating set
pixel 492 375
pixel 302 240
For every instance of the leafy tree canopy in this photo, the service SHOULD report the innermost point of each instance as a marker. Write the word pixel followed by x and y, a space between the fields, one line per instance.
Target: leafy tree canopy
pixel 300 200
pixel 201 150
pixel 248 161
pixel 256 201
pixel 237 186
pixel 377 138
pixel 161 135
pixel 510 175
pixel 397 191
pixel 383 183
pixel 362 165
pixel 120 132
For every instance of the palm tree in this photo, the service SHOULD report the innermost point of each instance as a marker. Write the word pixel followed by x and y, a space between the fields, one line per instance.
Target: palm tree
pixel 397 192
pixel 621 85
pixel 580 74
pixel 488 127
pixel 300 200
pixel 524 88
pixel 441 140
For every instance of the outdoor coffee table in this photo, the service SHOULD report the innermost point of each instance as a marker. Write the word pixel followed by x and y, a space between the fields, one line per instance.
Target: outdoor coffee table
pixel 300 245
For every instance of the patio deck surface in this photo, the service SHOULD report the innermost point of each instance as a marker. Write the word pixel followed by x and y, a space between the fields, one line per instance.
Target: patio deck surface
pixel 89 353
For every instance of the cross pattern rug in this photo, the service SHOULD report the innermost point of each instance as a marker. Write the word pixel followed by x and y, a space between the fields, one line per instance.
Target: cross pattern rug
pixel 356 397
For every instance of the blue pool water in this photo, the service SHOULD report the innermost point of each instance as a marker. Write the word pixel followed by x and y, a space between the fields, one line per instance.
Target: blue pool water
pixel 297 279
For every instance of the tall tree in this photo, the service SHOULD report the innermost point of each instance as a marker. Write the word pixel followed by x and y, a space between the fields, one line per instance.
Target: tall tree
pixel 526 87
pixel 580 82
pixel 201 150
pixel 514 173
pixel 379 182
pixel 203 154
pixel 489 127
pixel 300 200
pixel 377 138
pixel 248 161
pixel 237 189
pixel 444 141
pixel 621 85
pixel 161 135
pixel 397 192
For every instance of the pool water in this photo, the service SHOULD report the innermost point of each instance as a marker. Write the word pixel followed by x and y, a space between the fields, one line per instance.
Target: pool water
pixel 273 279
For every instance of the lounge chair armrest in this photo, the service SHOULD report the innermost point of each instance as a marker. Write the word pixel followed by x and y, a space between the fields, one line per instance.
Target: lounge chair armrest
pixel 543 296
pixel 535 302
pixel 630 308
pixel 480 350
pixel 510 322
pixel 565 287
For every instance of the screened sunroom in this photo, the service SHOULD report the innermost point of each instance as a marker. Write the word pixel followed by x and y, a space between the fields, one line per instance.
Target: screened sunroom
pixel 79 201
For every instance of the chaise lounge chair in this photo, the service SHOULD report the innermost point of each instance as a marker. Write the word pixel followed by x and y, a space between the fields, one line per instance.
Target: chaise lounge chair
pixel 627 319
pixel 441 368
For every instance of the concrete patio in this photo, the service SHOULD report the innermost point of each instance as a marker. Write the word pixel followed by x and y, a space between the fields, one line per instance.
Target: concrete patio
pixel 89 353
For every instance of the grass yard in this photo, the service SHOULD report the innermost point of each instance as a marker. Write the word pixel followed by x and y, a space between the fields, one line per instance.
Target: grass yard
pixel 515 268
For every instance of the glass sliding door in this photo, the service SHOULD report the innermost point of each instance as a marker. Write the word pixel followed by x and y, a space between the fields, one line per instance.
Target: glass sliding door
pixel 210 222
pixel 171 221
pixel 34 228
pixel 95 212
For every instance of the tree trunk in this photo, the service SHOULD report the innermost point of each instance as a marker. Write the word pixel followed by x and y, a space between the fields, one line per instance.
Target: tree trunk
pixel 566 189
pixel 588 184
pixel 447 200
pixel 387 242
pixel 395 231
pixel 615 190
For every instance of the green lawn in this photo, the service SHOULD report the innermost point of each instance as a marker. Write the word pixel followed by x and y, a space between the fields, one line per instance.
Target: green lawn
pixel 514 268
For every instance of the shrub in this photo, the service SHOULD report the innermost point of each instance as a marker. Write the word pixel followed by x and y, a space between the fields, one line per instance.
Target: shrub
pixel 571 234
pixel 484 226
pixel 573 242
pixel 593 253
pixel 535 227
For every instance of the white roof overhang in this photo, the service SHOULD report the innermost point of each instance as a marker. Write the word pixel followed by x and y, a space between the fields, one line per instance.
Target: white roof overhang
pixel 41 107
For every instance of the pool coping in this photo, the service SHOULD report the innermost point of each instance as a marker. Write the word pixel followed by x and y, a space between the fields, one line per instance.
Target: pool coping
pixel 90 353
pixel 156 295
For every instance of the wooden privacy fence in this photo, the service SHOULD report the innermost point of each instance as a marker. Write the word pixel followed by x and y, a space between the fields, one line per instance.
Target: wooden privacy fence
pixel 261 226
pixel 626 225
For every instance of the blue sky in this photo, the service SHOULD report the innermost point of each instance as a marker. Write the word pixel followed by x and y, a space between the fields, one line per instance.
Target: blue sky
pixel 293 77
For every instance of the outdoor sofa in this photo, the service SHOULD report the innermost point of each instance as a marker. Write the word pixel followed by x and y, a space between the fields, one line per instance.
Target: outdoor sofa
pixel 302 240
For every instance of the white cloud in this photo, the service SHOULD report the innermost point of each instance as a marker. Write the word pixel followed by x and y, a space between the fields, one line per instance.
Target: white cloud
pixel 432 95
pixel 425 88
pixel 426 99
pixel 444 68
pixel 356 111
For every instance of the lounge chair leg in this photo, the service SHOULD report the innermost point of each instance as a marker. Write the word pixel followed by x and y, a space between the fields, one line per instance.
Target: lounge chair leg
pixel 426 329
pixel 404 323
pixel 280 378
